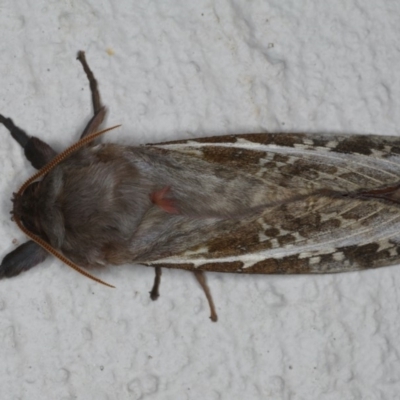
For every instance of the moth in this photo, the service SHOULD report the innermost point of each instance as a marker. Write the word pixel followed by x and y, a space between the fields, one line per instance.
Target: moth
pixel 284 203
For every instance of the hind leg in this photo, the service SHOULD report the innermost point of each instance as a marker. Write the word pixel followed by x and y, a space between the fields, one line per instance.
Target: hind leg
pixel 99 110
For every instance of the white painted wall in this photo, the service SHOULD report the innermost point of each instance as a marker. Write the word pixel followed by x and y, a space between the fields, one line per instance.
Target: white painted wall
pixel 178 69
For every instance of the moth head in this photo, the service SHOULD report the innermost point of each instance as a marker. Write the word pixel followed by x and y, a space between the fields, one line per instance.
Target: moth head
pixel 29 196
pixel 29 211
pixel 25 208
pixel 35 207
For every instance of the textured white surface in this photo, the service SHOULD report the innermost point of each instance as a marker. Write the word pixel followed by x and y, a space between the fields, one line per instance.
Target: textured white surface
pixel 170 70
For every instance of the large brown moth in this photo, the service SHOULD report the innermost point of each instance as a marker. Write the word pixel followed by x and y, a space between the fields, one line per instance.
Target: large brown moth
pixel 254 203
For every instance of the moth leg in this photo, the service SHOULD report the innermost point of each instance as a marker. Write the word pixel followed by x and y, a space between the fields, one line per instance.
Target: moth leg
pixel 36 151
pixel 155 294
pixel 96 101
pixel 201 278
pixel 94 123
pixel 23 258
pixel 99 110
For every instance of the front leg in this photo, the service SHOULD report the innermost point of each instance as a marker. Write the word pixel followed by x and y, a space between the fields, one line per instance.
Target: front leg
pixel 36 151
pixel 23 258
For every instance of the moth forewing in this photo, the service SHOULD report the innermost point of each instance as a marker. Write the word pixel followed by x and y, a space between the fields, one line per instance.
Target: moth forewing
pixel 331 219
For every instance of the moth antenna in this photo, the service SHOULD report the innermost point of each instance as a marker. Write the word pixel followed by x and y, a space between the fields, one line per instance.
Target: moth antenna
pixel 43 171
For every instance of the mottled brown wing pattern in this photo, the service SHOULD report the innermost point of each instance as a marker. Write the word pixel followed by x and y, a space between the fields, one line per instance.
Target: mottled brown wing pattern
pixel 317 232
pixel 304 161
